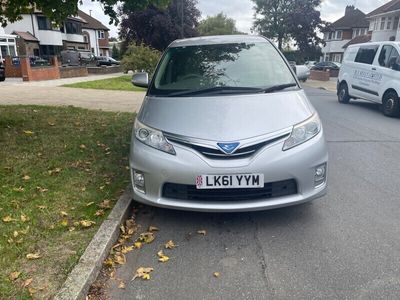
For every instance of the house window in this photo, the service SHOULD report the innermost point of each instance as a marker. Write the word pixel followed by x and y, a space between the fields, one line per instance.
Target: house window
pixel 389 23
pixel 339 35
pixel 371 25
pixel 376 24
pixel 396 23
pixel 43 23
pixel 100 34
pixel 73 28
pixel 383 21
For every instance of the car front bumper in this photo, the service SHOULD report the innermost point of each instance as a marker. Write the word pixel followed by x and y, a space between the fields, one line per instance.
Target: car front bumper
pixel 298 163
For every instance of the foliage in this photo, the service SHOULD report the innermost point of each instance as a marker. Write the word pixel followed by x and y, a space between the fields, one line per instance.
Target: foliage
pixel 115 52
pixel 300 57
pixel 285 20
pixel 121 83
pixel 57 167
pixel 158 27
pixel 219 24
pixel 140 58
pixel 59 10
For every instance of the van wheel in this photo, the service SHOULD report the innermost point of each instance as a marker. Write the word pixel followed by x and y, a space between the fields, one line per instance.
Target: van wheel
pixel 343 94
pixel 391 104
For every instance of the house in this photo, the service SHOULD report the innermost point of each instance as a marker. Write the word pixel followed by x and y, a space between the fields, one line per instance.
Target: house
pixel 95 34
pixel 384 22
pixel 8 44
pixel 341 32
pixel 38 36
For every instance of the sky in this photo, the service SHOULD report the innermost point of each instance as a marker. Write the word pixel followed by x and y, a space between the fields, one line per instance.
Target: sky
pixel 242 10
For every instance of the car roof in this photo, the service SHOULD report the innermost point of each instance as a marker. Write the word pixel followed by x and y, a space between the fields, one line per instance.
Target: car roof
pixel 374 44
pixel 218 39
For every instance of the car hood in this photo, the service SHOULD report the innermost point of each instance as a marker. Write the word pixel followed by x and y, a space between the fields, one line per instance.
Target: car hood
pixel 226 118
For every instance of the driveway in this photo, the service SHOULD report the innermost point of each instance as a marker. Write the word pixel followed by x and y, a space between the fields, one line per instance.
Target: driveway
pixel 343 246
pixel 50 93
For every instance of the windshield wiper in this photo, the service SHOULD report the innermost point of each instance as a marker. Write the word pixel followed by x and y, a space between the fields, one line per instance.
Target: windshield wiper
pixel 279 87
pixel 219 89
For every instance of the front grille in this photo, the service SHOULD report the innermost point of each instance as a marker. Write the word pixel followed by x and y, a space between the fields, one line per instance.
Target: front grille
pixel 214 153
pixel 189 192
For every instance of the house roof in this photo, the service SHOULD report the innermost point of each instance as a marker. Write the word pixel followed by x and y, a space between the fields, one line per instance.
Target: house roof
pixel 353 18
pixel 26 36
pixel 358 40
pixel 91 22
pixel 388 7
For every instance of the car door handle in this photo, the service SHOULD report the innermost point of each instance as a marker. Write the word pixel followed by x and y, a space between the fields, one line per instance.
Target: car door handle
pixel 373 69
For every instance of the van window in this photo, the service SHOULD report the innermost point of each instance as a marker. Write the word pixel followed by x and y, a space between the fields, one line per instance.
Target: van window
pixel 350 54
pixel 366 54
pixel 388 56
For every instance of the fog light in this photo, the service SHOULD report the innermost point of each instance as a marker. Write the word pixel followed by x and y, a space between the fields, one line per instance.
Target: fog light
pixel 320 175
pixel 138 181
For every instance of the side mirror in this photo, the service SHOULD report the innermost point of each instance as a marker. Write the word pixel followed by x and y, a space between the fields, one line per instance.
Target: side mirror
pixel 141 79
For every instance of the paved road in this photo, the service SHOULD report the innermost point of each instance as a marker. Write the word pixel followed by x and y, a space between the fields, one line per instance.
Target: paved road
pixel 344 246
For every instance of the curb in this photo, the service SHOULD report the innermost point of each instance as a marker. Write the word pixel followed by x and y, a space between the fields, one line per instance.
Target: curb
pixel 86 271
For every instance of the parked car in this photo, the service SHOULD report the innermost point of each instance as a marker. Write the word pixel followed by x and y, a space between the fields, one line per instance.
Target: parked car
pixel 310 63
pixel 302 72
pixel 113 61
pixel 325 65
pixel 218 134
pixel 102 61
pixel 2 72
pixel 371 71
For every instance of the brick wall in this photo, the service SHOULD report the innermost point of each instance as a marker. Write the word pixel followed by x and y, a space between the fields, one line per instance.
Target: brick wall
pixel 319 75
pixel 12 70
pixel 104 70
pixel 39 73
pixel 68 72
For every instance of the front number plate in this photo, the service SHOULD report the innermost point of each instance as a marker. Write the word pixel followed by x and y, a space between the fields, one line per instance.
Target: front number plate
pixel 236 181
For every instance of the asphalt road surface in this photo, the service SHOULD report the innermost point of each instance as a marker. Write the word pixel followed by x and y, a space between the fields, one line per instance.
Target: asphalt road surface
pixel 343 246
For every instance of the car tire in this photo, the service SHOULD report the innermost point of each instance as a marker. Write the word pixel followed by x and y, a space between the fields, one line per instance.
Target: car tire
pixel 391 104
pixel 343 93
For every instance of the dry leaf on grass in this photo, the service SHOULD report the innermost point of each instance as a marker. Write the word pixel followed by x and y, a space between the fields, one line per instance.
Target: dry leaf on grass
pixel 51 121
pixel 86 223
pixel 27 282
pixel 169 245
pixel 99 213
pixel 7 219
pixel 64 223
pixel 33 255
pixel 41 190
pixel 14 275
pixel 82 146
pixel 143 273
pixel 41 207
pixel 28 132
pixel 203 232
pixel 105 204
pixel 19 189
pixel 162 257
pixel 24 218
pixel 89 204
pixel 26 177
pixel 63 213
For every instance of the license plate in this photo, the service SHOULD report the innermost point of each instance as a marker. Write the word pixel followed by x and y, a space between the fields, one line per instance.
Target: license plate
pixel 235 181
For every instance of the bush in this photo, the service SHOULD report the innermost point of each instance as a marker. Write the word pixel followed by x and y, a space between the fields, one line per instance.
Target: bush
pixel 140 58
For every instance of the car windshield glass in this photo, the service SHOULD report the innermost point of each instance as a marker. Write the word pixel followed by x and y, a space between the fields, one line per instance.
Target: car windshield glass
pixel 240 65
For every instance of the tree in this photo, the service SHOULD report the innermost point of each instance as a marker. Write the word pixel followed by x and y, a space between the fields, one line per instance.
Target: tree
pixel 115 52
pixel 158 27
pixel 217 25
pixel 59 10
pixel 140 58
pixel 296 20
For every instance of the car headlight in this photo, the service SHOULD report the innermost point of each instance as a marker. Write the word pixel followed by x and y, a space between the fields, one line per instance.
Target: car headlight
pixel 303 132
pixel 153 138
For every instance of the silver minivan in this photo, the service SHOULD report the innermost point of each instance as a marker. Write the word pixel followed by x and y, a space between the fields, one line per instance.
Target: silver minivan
pixel 225 126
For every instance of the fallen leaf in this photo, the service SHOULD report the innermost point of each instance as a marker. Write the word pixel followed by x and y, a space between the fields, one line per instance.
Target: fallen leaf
pixel 7 219
pixel 105 204
pixel 216 274
pixel 24 231
pixel 64 223
pixel 169 245
pixel 82 146
pixel 15 233
pixel 63 213
pixel 24 218
pixel 126 249
pixel 120 258
pixel 72 228
pixel 143 273
pixel 28 132
pixel 31 291
pixel 152 228
pixel 19 189
pixel 51 121
pixel 86 223
pixel 109 262
pixel 121 284
pixel 26 177
pixel 122 228
pixel 14 275
pixel 27 282
pixel 55 171
pixel 41 207
pixel 89 204
pixel 162 257
pixel 33 255
pixel 137 245
pixel 99 213
pixel 41 190
pixel 146 237
pixel 203 232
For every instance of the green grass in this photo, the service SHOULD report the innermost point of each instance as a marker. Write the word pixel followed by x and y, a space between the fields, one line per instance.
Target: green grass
pixel 73 157
pixel 122 83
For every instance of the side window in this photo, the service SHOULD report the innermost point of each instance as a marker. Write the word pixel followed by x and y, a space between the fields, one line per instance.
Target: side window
pixel 350 54
pixel 388 57
pixel 366 55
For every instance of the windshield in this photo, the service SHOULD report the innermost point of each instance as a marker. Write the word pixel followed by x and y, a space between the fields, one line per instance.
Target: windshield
pixel 229 66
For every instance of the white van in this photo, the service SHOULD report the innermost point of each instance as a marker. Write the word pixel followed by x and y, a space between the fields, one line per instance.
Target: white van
pixel 371 71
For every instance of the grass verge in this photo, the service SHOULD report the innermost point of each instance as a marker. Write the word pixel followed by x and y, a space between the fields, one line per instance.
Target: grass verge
pixel 61 171
pixel 121 83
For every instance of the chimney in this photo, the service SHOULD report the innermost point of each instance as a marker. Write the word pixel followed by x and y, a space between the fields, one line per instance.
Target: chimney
pixel 349 9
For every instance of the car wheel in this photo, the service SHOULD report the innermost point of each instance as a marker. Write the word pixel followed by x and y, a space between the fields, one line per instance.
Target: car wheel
pixel 391 104
pixel 343 93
